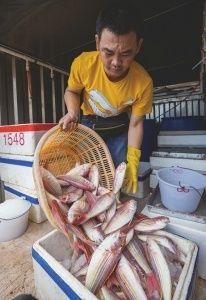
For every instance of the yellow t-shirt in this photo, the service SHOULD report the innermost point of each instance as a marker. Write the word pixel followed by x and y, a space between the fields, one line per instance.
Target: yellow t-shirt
pixel 105 98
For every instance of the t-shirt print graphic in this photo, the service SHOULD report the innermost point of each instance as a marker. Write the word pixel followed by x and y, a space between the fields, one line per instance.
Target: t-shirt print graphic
pixel 102 107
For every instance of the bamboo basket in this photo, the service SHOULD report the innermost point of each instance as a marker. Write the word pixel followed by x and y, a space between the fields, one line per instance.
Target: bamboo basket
pixel 58 151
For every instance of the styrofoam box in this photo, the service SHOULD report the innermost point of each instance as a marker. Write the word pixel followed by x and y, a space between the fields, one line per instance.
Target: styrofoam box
pixel 191 163
pixel 153 179
pixel 53 281
pixel 12 191
pixel 17 169
pixel 22 139
pixel 143 180
pixel 196 139
pixel 191 230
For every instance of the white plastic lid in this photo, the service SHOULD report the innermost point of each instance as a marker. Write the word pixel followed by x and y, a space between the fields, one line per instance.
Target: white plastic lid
pixel 13 208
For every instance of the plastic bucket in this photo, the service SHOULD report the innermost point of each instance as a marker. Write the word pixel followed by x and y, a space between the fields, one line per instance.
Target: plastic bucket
pixel 181 189
pixel 13 218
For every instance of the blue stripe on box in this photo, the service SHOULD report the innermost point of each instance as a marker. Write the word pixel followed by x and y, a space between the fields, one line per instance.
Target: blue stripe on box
pixel 20 194
pixel 56 278
pixel 18 162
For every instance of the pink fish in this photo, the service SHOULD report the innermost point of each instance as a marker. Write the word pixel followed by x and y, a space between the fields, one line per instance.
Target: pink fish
pixel 77 211
pixel 94 177
pixel 50 182
pixel 78 181
pixel 124 215
pixel 65 227
pixel 80 170
pixel 149 224
pixel 119 177
pixel 104 260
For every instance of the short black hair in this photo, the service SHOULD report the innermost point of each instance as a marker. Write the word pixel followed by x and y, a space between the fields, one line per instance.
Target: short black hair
pixel 120 17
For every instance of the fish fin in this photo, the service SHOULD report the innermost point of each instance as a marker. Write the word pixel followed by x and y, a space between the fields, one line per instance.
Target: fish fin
pixel 153 286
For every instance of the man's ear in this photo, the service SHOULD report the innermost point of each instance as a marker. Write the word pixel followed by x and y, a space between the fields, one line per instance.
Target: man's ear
pixel 139 45
pixel 97 41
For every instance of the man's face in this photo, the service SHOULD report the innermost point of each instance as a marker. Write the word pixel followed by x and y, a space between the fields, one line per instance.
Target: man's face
pixel 117 52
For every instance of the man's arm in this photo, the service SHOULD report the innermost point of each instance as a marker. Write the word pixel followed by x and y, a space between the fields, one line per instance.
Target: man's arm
pixel 72 100
pixel 136 130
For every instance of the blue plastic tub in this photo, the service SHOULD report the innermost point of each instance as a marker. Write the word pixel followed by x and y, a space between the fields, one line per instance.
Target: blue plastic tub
pixel 183 123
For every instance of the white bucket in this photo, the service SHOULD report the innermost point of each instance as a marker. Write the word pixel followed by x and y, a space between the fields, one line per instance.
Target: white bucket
pixel 13 218
pixel 181 189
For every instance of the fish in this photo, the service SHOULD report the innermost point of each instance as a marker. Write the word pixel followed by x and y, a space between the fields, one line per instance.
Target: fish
pixel 137 251
pixel 73 196
pixel 102 190
pixel 78 181
pixel 77 211
pixel 108 294
pixel 93 231
pixel 59 217
pixel 103 261
pixel 161 240
pixel 63 206
pixel 108 215
pixel 161 268
pixel 149 224
pixel 80 170
pixel 119 177
pixel 124 214
pixel 180 255
pixel 50 182
pixel 129 280
pixel 94 177
pixel 102 204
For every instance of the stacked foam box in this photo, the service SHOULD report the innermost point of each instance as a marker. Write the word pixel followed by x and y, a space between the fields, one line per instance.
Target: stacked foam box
pixel 53 281
pixel 185 149
pixel 17 147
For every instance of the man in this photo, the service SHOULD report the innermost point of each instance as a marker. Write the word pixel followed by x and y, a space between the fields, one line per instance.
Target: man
pixel 113 86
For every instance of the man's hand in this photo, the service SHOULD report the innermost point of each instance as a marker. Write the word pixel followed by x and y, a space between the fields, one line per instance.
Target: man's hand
pixel 69 121
pixel 131 178
pixel 72 100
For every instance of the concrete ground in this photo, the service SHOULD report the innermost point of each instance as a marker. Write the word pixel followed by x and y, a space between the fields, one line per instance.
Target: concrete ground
pixel 16 271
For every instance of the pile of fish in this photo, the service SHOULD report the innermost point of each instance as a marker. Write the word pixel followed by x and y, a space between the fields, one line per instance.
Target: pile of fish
pixel 117 253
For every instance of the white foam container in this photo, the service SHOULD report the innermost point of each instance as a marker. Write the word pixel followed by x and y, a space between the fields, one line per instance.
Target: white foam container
pixel 53 281
pixel 188 229
pixel 17 169
pixel 22 139
pixel 13 218
pixel 181 189
pixel 161 160
pixel 36 213
pixel 153 179
pixel 196 139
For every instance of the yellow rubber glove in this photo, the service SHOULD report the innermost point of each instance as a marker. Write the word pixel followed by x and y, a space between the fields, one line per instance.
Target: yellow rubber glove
pixel 131 176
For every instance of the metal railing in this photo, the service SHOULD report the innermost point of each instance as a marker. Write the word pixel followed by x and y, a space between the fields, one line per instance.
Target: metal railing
pixel 30 90
pixel 181 100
